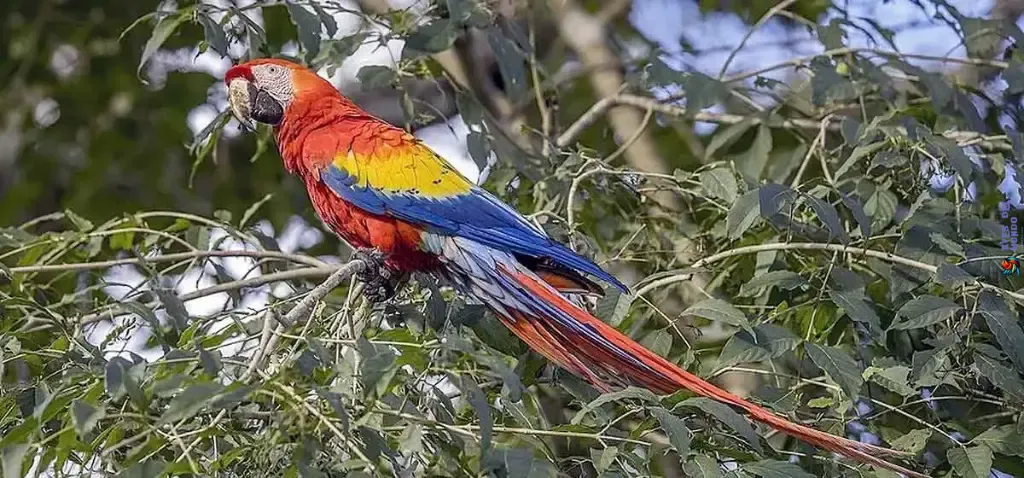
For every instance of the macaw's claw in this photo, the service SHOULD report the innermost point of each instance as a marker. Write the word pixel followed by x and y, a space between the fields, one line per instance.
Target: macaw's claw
pixel 376 276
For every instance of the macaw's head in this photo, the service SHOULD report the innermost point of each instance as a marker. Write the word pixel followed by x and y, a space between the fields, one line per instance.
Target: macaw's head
pixel 264 89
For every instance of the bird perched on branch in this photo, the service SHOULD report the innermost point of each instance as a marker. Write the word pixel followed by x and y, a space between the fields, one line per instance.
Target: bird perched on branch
pixel 406 209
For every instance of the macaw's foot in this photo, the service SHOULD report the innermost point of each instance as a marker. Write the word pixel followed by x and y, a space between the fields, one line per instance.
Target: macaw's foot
pixel 380 281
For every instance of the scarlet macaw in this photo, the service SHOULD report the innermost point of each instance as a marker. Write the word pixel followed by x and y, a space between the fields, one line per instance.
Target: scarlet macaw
pixel 382 190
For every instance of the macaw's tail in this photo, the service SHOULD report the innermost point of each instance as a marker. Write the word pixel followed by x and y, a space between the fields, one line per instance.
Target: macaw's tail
pixel 566 334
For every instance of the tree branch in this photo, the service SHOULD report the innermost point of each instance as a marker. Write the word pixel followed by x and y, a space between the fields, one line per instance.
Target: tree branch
pixel 595 112
pixel 298 314
pixel 294 274
pixel 182 256
pixel 781 246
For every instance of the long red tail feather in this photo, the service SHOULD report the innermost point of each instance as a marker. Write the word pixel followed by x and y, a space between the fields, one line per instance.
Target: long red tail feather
pixel 615 359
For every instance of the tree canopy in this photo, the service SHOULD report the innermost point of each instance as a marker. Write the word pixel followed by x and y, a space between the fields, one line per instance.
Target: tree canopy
pixel 833 235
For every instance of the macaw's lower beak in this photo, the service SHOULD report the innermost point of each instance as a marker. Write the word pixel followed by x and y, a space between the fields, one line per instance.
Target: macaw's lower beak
pixel 249 103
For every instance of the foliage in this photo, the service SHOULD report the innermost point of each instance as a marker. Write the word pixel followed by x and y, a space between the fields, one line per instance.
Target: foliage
pixel 862 298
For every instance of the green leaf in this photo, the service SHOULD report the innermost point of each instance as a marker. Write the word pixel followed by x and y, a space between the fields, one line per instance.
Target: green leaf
pixel 769 341
pixel 80 223
pixel 678 435
pixel 122 241
pixel 479 146
pixel 727 136
pixel 330 25
pixel 210 361
pixel 839 366
pixel 1000 376
pixel 889 159
pixel 973 462
pixel 858 308
pixel 726 415
pixel 635 393
pixel 719 183
pixel 146 469
pixel 702 91
pixel 828 216
pixel 214 34
pixel 175 308
pixel 85 417
pixel 929 367
pixel 469 12
pixel 1004 325
pixel 742 214
pixel 478 401
pixel 372 77
pixel 776 469
pixel 718 310
pixel 334 52
pixel 913 441
pixel 251 210
pixel 953 152
pixel 881 206
pixel 511 63
pixel 658 341
pixel 433 37
pixel 702 466
pixel 163 30
pixel 308 26
pixel 950 275
pixel 859 153
pixel 1004 439
pixel 946 244
pixel 375 443
pixel 376 362
pixel 603 458
pixel 893 378
pixel 613 307
pixel 752 162
pixel 521 463
pixel 788 280
pixel 190 401
pixel 14 458
pixel 924 311
pixel 855 207
pixel 821 402
pixel 114 376
pixel 436 308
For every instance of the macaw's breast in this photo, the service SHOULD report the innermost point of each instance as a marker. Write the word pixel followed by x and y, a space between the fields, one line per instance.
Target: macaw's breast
pixel 399 240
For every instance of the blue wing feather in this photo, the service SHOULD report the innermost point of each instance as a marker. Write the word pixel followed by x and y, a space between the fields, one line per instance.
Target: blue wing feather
pixel 476 215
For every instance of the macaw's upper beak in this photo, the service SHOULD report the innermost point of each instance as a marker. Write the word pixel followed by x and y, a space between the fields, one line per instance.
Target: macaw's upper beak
pixel 240 93
pixel 250 103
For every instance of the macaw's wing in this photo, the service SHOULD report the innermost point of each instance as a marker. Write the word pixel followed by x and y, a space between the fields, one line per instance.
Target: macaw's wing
pixel 410 182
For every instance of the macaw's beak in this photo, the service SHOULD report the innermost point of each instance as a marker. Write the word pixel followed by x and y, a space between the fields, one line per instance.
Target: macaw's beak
pixel 240 91
pixel 250 103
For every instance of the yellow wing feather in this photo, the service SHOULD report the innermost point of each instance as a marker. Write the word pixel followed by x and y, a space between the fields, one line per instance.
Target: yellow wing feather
pixel 407 168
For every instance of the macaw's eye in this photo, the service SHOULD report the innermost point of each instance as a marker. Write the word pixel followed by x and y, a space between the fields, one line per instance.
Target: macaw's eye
pixel 272 70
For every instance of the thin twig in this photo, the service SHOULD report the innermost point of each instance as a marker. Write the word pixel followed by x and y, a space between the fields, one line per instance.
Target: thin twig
pixel 597 109
pixel 781 246
pixel 298 314
pixel 764 19
pixel 294 274
pixel 181 256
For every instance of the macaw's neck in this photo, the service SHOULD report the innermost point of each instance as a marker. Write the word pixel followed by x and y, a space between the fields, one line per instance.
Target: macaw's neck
pixel 307 118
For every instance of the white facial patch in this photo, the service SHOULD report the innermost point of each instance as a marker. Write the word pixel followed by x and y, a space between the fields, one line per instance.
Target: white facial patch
pixel 276 80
